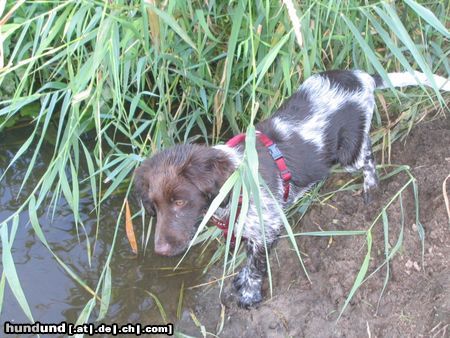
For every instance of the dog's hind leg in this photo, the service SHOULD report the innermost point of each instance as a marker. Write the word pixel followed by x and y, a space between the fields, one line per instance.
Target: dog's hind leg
pixel 369 171
pixel 366 162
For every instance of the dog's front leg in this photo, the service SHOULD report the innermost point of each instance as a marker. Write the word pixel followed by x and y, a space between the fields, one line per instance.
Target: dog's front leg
pixel 249 280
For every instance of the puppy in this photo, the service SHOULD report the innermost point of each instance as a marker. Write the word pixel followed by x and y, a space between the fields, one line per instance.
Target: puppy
pixel 327 121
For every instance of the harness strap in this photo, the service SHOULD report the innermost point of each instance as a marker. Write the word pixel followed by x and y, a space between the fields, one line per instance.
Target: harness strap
pixel 235 140
pixel 278 158
pixel 224 224
pixel 274 152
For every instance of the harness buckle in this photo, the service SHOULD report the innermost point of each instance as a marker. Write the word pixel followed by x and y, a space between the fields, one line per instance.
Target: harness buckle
pixel 275 152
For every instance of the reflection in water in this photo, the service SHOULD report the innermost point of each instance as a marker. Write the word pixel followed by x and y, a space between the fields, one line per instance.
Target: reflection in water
pixel 52 295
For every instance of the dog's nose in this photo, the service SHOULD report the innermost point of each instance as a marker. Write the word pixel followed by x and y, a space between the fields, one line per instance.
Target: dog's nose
pixel 163 249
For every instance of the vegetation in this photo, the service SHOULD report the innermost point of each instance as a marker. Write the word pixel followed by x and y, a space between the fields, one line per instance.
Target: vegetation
pixel 138 76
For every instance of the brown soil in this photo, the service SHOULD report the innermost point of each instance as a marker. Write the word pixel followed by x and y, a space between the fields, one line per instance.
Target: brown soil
pixel 416 301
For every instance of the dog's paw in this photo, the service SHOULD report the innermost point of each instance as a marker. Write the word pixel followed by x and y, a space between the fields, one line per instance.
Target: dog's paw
pixel 249 298
pixel 368 194
pixel 367 197
pixel 369 188
pixel 248 288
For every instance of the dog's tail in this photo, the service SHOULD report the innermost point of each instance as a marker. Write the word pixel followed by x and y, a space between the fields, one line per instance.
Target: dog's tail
pixel 411 79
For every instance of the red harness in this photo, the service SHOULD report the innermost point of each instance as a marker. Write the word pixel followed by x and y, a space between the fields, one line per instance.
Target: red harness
pixel 277 156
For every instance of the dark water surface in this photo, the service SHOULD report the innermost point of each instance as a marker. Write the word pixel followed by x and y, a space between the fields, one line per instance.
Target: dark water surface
pixel 52 294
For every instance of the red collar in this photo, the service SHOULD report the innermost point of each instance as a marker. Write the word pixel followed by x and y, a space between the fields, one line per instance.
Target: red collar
pixel 277 156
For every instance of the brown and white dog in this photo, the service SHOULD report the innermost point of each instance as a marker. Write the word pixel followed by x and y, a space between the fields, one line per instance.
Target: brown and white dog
pixel 327 121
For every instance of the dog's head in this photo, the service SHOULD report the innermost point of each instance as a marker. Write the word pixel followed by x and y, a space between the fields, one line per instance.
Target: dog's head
pixel 176 185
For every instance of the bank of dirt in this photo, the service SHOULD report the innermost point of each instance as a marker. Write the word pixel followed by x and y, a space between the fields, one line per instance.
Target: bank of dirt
pixel 416 301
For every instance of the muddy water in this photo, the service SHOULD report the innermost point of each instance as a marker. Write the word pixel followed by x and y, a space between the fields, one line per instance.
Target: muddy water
pixel 52 294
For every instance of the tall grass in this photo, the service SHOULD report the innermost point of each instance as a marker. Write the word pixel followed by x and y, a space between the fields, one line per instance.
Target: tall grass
pixel 144 75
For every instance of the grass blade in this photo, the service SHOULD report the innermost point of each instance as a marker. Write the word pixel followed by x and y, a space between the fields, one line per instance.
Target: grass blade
pixel 428 16
pixel 170 21
pixel 9 271
pixel 106 294
pixel 361 274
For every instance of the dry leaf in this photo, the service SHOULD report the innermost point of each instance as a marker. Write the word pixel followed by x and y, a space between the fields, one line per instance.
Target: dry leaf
pixel 129 228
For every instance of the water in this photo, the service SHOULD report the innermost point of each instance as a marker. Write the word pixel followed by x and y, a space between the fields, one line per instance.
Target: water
pixel 52 294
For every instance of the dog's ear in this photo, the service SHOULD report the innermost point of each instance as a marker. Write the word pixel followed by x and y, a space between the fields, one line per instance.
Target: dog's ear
pixel 208 169
pixel 141 189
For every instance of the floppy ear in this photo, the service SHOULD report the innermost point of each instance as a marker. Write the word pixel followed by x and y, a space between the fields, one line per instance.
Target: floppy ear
pixel 141 188
pixel 208 169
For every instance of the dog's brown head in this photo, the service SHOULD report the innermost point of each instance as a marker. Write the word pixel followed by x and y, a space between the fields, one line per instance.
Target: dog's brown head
pixel 176 185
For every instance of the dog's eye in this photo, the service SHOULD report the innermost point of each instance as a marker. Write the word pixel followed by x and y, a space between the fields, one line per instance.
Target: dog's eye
pixel 180 203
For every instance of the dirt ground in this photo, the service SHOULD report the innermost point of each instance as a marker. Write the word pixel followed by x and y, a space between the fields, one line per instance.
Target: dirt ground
pixel 416 302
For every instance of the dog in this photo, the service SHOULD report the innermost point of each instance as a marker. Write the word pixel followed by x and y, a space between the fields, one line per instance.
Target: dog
pixel 326 122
